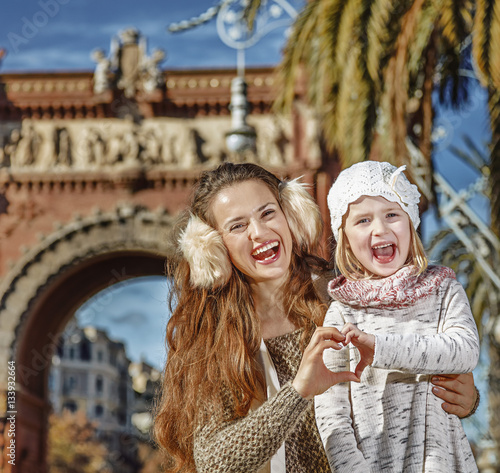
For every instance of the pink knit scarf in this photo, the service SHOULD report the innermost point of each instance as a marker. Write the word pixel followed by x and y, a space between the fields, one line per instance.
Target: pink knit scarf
pixel 401 289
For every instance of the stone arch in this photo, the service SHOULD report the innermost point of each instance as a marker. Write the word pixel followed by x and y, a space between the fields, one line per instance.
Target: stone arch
pixel 46 286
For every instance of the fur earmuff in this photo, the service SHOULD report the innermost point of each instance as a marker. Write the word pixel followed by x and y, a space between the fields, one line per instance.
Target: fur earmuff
pixel 302 213
pixel 204 250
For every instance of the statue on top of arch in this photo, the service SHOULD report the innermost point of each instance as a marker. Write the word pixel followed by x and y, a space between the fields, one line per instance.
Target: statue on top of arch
pixel 128 66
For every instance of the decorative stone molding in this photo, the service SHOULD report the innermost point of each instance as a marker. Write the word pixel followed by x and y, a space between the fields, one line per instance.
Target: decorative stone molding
pixel 128 67
pixel 164 143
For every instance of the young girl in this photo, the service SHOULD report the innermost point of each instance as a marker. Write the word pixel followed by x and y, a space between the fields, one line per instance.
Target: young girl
pixel 406 319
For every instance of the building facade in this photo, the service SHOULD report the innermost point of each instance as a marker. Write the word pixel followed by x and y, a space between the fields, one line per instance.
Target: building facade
pixel 91 373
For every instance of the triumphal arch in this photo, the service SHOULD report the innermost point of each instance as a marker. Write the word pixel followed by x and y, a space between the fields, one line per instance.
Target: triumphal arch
pixel 94 168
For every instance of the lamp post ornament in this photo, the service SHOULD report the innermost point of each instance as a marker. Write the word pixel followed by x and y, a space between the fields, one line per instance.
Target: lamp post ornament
pixel 233 30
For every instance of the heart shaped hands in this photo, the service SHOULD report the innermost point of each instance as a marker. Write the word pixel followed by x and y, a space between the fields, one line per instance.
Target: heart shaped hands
pixel 313 377
pixel 364 342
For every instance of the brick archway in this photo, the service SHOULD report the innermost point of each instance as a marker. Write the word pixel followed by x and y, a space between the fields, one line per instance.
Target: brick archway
pixel 46 288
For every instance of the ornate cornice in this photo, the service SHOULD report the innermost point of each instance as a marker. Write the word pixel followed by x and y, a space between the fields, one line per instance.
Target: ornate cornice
pixel 70 95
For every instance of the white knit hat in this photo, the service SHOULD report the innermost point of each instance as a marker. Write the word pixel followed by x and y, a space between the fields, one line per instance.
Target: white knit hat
pixel 374 179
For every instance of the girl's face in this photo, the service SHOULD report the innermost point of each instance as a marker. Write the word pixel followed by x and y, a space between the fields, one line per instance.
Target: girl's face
pixel 254 230
pixel 378 234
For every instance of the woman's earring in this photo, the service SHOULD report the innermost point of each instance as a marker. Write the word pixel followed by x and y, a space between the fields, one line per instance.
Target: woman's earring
pixel 206 253
pixel 302 213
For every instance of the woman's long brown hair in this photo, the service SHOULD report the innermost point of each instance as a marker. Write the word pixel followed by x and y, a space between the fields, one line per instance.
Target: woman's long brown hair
pixel 213 335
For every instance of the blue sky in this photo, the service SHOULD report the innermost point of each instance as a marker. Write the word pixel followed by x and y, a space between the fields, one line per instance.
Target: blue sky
pixel 44 35
pixel 133 312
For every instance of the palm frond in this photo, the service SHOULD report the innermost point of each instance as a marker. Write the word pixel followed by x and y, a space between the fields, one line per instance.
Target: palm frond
pixel 455 23
pixel 298 45
pixel 494 166
pixel 354 113
pixel 383 30
pixel 251 11
pixel 495 47
pixel 481 34
pixel 455 20
pixel 452 86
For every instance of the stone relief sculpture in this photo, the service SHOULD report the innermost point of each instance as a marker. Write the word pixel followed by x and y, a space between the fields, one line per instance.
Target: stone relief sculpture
pixel 62 147
pixel 151 147
pixel 152 74
pixel 273 145
pixel 130 146
pixel 23 146
pixel 128 67
pixel 102 72
pixel 122 144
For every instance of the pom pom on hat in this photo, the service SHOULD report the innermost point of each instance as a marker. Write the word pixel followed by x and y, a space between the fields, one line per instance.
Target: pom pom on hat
pixel 375 179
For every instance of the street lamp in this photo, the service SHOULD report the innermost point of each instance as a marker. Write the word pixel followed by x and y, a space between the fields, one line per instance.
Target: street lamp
pixel 233 30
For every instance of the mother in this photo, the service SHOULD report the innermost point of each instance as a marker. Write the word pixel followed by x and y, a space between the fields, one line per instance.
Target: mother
pixel 245 341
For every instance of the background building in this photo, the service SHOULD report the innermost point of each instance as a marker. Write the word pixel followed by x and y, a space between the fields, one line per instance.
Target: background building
pixel 90 373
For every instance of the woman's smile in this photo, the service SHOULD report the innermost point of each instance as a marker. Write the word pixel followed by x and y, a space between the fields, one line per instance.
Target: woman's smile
pixel 267 253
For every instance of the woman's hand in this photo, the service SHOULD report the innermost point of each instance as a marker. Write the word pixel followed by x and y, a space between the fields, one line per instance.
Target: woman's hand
pixel 313 377
pixel 458 392
pixel 364 342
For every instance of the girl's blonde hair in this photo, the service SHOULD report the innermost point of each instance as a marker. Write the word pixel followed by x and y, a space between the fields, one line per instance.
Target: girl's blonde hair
pixel 352 269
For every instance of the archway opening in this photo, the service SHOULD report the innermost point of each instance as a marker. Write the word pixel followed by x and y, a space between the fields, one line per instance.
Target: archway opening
pixel 39 334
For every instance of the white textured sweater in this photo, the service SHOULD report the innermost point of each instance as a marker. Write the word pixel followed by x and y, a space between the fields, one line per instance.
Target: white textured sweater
pixel 391 422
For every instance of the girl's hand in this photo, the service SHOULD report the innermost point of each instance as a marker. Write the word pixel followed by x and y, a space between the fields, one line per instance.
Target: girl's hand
pixel 458 392
pixel 364 342
pixel 313 377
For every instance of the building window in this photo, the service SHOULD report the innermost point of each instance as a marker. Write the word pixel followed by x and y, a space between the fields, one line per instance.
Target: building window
pixel 99 410
pixel 99 384
pixel 85 350
pixel 70 406
pixel 71 353
pixel 100 356
pixel 71 383
pixel 60 348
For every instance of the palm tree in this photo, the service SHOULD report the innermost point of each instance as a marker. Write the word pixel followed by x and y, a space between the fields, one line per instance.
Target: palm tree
pixel 371 68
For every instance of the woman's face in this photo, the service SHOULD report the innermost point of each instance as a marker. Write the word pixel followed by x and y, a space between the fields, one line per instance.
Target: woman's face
pixel 255 231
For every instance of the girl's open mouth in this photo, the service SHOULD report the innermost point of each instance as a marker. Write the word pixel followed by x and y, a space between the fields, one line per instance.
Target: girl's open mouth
pixel 384 253
pixel 266 252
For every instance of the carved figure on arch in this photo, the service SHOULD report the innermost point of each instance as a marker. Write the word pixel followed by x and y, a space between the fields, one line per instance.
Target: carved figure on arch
pixel 102 72
pixel 152 74
pixel 24 145
pixel 151 147
pixel 90 149
pixel 114 148
pixel 273 144
pixel 129 55
pixel 63 147
pixel 130 147
pixel 184 148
